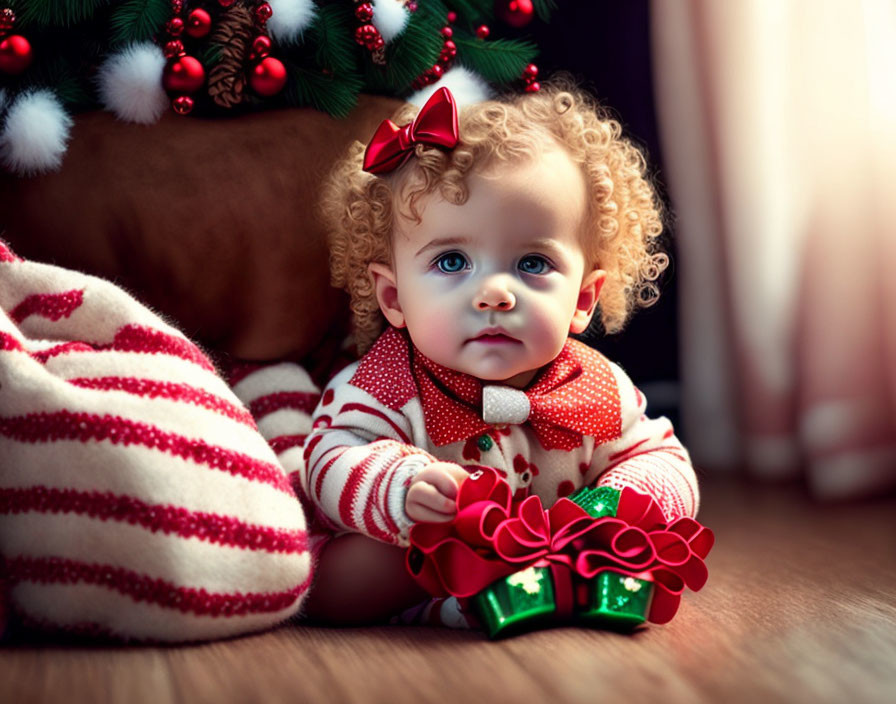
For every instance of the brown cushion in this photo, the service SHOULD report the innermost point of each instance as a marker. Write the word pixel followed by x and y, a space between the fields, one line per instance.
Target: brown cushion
pixel 210 222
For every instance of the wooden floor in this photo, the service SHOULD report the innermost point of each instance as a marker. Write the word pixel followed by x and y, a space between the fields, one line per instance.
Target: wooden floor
pixel 800 607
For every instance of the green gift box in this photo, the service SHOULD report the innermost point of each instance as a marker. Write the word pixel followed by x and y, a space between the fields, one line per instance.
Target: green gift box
pixel 527 599
pixel 614 599
pixel 617 600
pixel 516 602
pixel 597 501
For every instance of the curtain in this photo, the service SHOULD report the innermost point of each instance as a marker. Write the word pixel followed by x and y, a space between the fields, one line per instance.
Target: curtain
pixel 778 126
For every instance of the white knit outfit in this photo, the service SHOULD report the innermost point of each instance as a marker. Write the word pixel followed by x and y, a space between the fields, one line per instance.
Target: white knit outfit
pixel 383 419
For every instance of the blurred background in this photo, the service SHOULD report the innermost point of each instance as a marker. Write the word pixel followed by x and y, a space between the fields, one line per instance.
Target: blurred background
pixel 771 128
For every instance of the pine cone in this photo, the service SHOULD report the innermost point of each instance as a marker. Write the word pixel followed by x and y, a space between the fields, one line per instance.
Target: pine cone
pixel 233 33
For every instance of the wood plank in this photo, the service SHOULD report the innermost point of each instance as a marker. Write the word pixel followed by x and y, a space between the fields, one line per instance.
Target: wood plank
pixel 800 607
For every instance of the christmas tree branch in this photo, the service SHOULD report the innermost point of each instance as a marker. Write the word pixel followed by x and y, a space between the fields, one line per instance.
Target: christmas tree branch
pixel 544 8
pixel 413 53
pixel 499 60
pixel 137 20
pixel 56 13
pixel 335 95
pixel 331 33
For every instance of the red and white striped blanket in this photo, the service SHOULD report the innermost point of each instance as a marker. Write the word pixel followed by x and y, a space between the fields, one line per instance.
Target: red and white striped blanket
pixel 137 497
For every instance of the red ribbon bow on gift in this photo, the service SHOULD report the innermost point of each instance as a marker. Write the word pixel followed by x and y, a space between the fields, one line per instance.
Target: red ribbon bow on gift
pixel 492 537
pixel 435 125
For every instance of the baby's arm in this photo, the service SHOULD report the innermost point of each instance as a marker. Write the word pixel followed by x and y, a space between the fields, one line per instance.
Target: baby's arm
pixel 365 475
pixel 648 457
pixel 364 471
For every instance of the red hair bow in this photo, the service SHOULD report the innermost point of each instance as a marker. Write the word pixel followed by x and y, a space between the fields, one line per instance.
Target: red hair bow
pixel 435 125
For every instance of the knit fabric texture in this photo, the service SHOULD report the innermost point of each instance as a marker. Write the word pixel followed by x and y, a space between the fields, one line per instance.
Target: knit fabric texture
pixel 138 499
pixel 376 428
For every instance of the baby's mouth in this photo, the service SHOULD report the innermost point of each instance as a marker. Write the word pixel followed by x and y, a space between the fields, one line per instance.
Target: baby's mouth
pixel 494 338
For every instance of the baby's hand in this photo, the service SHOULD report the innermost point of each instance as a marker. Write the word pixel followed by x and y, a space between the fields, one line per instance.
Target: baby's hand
pixel 431 496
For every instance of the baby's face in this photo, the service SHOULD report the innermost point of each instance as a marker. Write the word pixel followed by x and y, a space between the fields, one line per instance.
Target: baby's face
pixel 493 287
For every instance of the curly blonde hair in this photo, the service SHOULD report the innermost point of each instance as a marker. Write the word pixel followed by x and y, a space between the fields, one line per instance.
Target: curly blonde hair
pixel 623 218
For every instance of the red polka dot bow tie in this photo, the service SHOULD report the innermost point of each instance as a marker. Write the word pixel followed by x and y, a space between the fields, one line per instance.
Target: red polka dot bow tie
pixel 435 125
pixel 575 395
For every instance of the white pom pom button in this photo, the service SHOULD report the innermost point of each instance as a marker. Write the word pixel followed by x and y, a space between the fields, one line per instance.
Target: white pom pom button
pixel 504 405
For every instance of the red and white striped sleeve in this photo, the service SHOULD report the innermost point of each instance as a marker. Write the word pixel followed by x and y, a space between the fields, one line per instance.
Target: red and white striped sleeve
pixel 360 459
pixel 281 397
pixel 648 457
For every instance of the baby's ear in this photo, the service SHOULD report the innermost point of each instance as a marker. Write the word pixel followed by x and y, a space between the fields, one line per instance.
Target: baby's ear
pixel 386 292
pixel 587 302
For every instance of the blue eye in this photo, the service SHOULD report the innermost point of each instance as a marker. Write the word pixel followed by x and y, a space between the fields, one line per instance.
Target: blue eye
pixel 534 264
pixel 451 262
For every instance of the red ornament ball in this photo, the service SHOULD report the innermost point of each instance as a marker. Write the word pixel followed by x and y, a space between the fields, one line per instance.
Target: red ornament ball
pixel 268 77
pixel 448 52
pixel 226 3
pixel 516 13
pixel 183 75
pixel 530 72
pixel 7 20
pixel 175 26
pixel 482 31
pixel 177 6
pixel 369 36
pixel 364 12
pixel 452 17
pixel 263 13
pixel 182 104
pixel 447 32
pixel 261 47
pixel 15 54
pixel 199 23
pixel 173 48
pixel 533 87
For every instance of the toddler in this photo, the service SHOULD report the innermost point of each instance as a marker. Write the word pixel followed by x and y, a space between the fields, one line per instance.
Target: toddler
pixel 472 246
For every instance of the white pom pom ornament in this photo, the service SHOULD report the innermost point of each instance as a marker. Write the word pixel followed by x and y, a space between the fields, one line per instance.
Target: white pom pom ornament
pixel 390 17
pixel 35 133
pixel 466 87
pixel 290 19
pixel 130 83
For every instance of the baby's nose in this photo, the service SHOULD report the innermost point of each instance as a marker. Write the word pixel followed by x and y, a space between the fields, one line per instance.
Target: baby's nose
pixel 495 296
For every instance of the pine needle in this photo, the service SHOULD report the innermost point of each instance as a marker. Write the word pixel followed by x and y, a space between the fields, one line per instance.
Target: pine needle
pixel 137 20
pixel 474 12
pixel 56 13
pixel 544 8
pixel 334 95
pixel 415 50
pixel 332 34
pixel 498 60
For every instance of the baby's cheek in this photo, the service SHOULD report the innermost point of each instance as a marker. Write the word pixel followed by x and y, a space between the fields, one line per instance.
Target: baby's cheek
pixel 431 331
pixel 425 331
pixel 548 328
pixel 549 313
